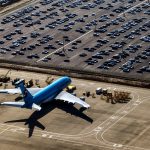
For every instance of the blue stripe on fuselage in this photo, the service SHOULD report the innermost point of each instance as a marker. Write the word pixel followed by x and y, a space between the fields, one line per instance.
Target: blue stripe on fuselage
pixel 52 90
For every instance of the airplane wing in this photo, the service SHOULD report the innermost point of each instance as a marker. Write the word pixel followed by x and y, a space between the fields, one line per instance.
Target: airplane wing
pixel 65 96
pixel 18 91
pixel 20 104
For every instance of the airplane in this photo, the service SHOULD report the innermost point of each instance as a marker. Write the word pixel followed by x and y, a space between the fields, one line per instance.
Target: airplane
pixel 34 97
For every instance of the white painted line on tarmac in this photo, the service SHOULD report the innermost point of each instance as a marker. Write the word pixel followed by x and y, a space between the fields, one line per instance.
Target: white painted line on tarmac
pixel 4 130
pixel 51 136
pixel 109 143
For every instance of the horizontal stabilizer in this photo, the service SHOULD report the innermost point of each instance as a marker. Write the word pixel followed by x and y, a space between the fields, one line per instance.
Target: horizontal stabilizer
pixel 11 91
pixel 20 105
pixel 18 91
pixel 14 104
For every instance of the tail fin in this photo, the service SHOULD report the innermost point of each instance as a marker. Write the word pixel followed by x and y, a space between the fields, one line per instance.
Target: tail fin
pixel 26 94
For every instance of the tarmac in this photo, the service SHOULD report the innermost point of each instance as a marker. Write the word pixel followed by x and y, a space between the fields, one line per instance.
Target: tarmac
pixel 105 126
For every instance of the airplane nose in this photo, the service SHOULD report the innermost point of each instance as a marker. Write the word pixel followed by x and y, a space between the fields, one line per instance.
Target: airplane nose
pixel 69 80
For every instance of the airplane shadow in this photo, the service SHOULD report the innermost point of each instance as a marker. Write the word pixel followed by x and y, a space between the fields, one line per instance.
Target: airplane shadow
pixel 33 122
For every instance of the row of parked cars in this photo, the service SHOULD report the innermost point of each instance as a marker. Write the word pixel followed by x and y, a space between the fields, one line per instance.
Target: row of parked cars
pixel 6 2
pixel 21 13
pixel 138 59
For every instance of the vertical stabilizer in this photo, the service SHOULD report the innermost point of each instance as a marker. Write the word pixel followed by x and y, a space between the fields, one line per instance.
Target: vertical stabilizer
pixel 26 94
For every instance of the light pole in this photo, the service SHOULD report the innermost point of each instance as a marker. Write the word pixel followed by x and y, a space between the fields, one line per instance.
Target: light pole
pixel 123 4
pixel 64 46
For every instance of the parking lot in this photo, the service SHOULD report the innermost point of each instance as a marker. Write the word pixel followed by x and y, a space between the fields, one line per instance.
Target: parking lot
pixel 100 36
